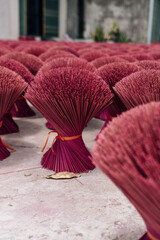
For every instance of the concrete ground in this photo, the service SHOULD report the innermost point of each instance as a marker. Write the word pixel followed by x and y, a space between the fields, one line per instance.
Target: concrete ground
pixel 33 207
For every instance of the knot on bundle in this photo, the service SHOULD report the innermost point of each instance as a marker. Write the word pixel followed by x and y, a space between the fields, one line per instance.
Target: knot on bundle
pixel 151 236
pixel 58 136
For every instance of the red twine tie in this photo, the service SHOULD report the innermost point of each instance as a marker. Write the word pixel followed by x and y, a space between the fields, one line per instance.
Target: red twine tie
pixel 151 236
pixel 109 117
pixel 62 138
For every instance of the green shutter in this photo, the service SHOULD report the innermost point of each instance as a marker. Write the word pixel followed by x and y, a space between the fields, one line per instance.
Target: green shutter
pixel 22 17
pixel 156 22
pixel 51 17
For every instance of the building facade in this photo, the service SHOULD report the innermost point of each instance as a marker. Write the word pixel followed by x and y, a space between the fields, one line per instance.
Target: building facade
pixel 50 19
pixel 46 19
pixel 132 17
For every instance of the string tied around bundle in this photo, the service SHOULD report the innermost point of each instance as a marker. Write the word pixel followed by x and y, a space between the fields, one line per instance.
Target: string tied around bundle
pixel 58 136
pixel 109 117
pixel 5 144
pixel 151 236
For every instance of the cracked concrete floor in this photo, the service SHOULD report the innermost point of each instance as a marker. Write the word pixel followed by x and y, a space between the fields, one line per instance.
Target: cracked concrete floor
pixel 32 207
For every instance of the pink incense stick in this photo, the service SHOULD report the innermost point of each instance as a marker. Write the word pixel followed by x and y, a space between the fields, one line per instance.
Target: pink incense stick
pixel 8 124
pixel 99 62
pixel 148 65
pixel 128 152
pixel 53 52
pixel 138 88
pixel 34 50
pixel 92 55
pixel 68 98
pixel 67 62
pixel 20 107
pixel 11 87
pixel 30 61
pixel 111 74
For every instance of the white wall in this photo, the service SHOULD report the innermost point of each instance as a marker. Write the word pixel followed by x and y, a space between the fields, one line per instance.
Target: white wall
pixel 62 18
pixel 131 16
pixel 9 19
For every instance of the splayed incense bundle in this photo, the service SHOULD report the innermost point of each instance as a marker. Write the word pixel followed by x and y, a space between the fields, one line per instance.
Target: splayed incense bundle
pixel 3 51
pixel 127 57
pixel 68 98
pixel 56 51
pixel 11 87
pixel 31 62
pixel 92 55
pixel 138 88
pixel 57 56
pixel 99 62
pixel 128 151
pixel 8 125
pixel 111 74
pixel 20 107
pixel 143 56
pixel 67 62
pixel 36 51
pixel 148 65
pixel 17 67
pixel 66 49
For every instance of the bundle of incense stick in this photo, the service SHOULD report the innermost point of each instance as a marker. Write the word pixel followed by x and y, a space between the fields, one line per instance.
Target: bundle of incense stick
pixel 34 50
pixel 66 49
pixel 113 73
pixel 128 151
pixel 127 57
pixel 99 62
pixel 138 88
pixel 30 61
pixel 143 56
pixel 11 87
pixel 20 107
pixel 148 64
pixel 92 55
pixel 62 55
pixel 155 55
pixel 8 124
pixel 67 62
pixel 54 51
pixel 3 51
pixel 68 98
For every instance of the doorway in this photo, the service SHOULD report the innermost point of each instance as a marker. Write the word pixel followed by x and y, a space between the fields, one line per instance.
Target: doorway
pixel 39 18
pixel 80 18
pixel 34 18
